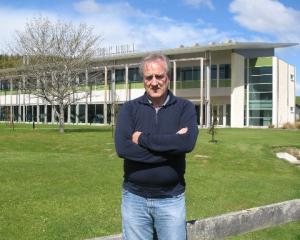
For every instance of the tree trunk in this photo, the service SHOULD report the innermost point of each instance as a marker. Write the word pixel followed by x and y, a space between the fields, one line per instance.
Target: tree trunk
pixel 61 119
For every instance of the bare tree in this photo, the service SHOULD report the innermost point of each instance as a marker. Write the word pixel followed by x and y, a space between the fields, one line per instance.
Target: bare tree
pixel 212 129
pixel 56 56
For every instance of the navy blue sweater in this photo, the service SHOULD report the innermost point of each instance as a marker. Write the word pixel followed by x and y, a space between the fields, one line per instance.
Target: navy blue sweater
pixel 155 166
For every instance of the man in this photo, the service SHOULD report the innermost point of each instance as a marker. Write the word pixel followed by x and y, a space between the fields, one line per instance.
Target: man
pixel 153 134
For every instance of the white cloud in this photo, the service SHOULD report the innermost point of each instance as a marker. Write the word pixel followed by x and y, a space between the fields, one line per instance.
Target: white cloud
pixel 268 17
pixel 198 3
pixel 87 6
pixel 120 23
pixel 12 20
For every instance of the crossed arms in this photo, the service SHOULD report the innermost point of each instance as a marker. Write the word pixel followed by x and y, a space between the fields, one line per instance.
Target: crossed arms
pixel 153 148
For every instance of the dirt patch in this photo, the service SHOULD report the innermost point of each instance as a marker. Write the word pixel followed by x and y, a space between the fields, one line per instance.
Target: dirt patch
pixel 294 151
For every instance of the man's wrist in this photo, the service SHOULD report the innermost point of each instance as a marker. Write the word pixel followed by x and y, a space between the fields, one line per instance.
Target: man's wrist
pixel 135 137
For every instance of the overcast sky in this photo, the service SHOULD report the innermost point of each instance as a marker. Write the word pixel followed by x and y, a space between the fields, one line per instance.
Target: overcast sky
pixel 157 24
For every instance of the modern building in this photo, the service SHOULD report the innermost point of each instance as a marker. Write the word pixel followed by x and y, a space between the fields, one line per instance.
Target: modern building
pixel 239 84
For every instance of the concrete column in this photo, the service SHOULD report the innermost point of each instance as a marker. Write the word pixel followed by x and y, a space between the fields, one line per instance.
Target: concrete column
pixel 77 113
pixel 11 107
pixel 19 105
pixel 86 113
pixel 224 115
pixel 126 83
pixel 113 95
pixel 237 90
pixel 208 80
pixel 52 114
pixel 45 113
pixel 218 75
pixel 86 100
pixel 38 111
pixel 69 114
pixel 174 77
pixel 247 93
pixel 292 94
pixel 24 113
pixel 201 91
pixel 105 97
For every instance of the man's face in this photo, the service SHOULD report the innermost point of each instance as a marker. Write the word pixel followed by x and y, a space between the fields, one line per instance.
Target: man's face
pixel 156 79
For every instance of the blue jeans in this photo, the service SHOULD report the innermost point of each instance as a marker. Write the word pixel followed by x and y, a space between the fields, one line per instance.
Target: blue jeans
pixel 140 216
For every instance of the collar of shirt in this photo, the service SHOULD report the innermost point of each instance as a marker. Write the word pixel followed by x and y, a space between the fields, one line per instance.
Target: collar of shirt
pixel 164 104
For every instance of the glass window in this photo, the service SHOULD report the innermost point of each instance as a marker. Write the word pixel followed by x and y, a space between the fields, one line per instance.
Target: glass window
pixel 260 121
pixel 260 70
pixel 15 84
pixel 228 109
pixel 260 87
pixel 29 113
pixel 220 114
pixel 4 113
pixel 95 113
pixel 81 113
pixel 260 113
pixel 96 78
pixel 260 96
pixel 260 79
pixel 81 78
pixel 34 113
pixel 213 70
pixel 108 76
pixel 73 114
pixel 30 83
pixel 56 112
pixel 224 71
pixel 196 73
pixel 42 113
pixel 259 105
pixel 49 113
pixel 133 75
pixel 187 73
pixel 66 114
pixel 178 74
pixel 120 75
pixel 16 113
pixel 5 85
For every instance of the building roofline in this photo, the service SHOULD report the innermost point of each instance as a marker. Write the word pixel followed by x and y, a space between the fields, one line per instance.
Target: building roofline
pixel 230 45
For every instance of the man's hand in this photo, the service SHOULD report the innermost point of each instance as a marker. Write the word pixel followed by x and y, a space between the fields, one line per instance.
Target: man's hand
pixel 135 137
pixel 182 131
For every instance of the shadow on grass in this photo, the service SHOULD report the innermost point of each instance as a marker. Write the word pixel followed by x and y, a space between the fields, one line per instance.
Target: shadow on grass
pixel 87 130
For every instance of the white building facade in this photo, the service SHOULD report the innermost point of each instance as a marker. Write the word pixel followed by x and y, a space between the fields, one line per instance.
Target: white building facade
pixel 237 84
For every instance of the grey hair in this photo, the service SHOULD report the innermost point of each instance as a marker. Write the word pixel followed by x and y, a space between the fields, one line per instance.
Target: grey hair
pixel 152 57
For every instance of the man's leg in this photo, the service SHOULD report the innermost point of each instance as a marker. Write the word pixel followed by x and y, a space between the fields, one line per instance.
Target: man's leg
pixel 137 223
pixel 169 218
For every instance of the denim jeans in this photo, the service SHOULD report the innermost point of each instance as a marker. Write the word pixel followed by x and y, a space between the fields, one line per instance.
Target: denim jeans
pixel 140 216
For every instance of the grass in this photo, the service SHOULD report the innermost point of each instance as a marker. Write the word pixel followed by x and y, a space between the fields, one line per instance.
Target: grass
pixel 68 186
pixel 298 100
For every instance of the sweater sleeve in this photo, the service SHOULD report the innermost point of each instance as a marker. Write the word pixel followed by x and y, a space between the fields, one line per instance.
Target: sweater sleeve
pixel 175 143
pixel 127 149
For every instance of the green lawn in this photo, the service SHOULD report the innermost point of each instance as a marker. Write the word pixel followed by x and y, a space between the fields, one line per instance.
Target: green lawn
pixel 67 186
pixel 298 100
